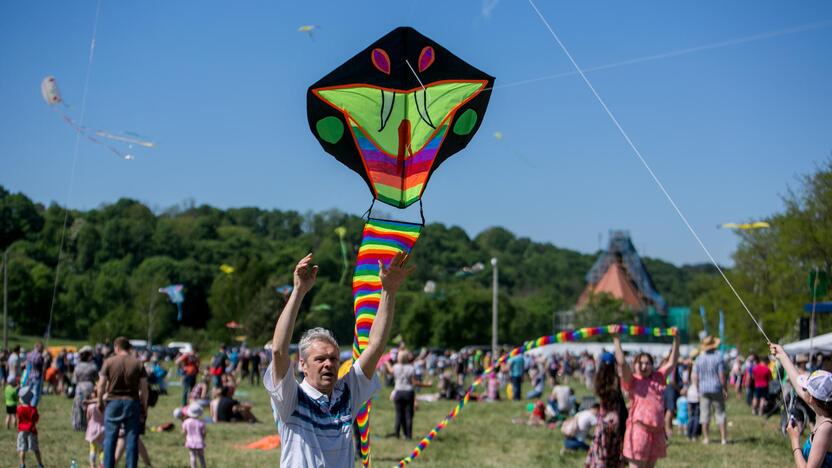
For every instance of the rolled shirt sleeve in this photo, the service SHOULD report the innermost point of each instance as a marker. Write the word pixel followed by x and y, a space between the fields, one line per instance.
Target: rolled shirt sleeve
pixel 361 386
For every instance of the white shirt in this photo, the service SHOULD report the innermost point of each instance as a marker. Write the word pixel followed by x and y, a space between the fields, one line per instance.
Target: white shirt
pixel 14 365
pixel 586 421
pixel 316 430
pixel 562 393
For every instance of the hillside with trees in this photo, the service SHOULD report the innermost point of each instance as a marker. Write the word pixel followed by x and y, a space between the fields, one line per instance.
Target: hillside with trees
pixel 116 257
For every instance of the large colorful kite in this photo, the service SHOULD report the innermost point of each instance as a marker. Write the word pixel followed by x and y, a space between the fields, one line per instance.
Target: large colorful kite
pixel 393 113
pixel 396 111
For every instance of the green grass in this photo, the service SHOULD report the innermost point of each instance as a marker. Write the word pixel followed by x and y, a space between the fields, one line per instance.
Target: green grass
pixel 482 436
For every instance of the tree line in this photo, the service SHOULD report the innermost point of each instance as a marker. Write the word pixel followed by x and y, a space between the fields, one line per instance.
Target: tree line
pixel 115 258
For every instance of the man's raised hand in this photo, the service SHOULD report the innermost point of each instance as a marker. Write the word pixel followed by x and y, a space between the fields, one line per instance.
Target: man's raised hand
pixel 305 274
pixel 394 274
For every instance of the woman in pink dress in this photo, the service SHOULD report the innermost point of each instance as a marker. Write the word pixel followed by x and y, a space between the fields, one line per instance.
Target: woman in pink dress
pixel 645 440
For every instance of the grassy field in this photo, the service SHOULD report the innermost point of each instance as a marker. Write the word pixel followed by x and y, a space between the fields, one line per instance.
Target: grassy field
pixel 483 435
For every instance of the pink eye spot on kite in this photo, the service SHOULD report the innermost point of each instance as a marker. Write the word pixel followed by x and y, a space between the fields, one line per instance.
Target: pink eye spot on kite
pixel 381 60
pixel 426 58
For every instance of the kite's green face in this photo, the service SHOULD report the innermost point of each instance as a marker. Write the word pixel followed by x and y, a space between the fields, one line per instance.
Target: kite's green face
pixel 395 111
pixel 397 120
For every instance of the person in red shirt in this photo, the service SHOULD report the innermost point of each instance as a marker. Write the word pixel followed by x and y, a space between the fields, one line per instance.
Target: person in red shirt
pixel 762 376
pixel 27 431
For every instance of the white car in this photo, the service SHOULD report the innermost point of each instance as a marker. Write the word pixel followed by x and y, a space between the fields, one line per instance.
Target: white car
pixel 181 347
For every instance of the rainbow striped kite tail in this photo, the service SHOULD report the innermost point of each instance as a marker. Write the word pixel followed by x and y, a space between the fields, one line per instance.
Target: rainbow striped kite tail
pixel 363 420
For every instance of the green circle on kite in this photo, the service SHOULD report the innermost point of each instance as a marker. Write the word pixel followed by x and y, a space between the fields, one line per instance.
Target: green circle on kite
pixel 466 122
pixel 330 129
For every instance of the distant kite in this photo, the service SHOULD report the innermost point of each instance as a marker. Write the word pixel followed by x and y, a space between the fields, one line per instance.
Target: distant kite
pixel 227 269
pixel 745 226
pixel 52 96
pixel 176 296
pixel 285 290
pixel 308 29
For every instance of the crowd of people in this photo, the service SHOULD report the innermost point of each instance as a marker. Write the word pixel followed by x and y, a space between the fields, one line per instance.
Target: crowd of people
pixel 638 401
pixel 112 386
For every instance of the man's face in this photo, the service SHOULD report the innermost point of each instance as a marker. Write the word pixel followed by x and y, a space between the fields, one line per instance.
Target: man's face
pixel 321 366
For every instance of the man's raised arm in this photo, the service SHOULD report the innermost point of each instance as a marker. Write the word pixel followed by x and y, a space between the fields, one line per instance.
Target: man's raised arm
pixel 391 278
pixel 304 278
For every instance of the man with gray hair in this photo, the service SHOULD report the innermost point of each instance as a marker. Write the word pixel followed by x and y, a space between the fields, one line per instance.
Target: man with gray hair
pixel 316 415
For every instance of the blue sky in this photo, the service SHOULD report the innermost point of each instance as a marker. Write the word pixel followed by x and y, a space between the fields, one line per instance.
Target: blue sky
pixel 221 88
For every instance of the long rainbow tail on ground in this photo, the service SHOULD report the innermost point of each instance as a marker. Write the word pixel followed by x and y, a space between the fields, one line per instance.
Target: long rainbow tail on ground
pixel 381 240
pixel 562 337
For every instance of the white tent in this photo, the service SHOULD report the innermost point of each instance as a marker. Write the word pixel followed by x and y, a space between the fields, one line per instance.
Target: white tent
pixel 656 349
pixel 822 343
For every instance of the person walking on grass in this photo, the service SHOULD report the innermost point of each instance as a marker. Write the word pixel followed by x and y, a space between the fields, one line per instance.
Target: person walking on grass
pixel 317 415
pixel 27 430
pixel 194 429
pixel 816 390
pixel 645 440
pixel 122 386
pixel 762 376
pixel 709 377
pixel 10 395
pixel 404 393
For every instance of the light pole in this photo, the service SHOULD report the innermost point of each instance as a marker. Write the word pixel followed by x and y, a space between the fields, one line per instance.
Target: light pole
pixel 5 298
pixel 494 309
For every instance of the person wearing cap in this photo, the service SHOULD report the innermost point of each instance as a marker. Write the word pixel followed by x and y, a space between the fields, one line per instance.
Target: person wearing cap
pixel 27 431
pixel 816 390
pixel 612 416
pixel 317 415
pixel 194 429
pixel 10 395
pixel 710 377
pixel 85 375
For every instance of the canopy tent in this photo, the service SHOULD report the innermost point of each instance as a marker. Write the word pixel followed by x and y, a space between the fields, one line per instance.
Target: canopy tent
pixel 575 348
pixel 822 343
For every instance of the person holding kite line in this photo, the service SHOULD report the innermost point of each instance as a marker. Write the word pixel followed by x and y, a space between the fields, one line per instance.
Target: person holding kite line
pixel 317 415
pixel 816 390
pixel 645 440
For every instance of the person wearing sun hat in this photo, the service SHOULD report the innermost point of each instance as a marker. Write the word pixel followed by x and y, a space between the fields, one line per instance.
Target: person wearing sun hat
pixel 710 377
pixel 816 390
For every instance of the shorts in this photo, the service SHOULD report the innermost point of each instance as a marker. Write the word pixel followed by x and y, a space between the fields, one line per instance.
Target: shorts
pixel 642 443
pixel 669 399
pixel 761 393
pixel 705 401
pixel 12 410
pixel 26 441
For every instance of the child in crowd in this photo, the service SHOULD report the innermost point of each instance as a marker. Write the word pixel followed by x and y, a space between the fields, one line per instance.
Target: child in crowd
pixel 576 429
pixel 194 429
pixel 27 432
pixel 10 394
pixel 95 431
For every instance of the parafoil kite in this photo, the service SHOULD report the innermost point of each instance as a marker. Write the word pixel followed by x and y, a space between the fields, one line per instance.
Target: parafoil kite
pixel 393 113
pixel 745 226
pixel 52 95
pixel 175 293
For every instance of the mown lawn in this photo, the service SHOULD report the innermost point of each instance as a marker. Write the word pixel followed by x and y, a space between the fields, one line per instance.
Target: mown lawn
pixel 482 435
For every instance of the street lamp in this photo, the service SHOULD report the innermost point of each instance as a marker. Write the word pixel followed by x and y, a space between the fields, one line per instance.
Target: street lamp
pixel 494 308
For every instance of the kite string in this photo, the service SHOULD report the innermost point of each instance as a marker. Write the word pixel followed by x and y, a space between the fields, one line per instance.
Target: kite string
pixel 72 171
pixel 673 53
pixel 647 166
pixel 414 73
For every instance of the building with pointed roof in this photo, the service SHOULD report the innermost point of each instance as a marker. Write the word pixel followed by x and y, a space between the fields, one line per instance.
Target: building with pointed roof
pixel 620 272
